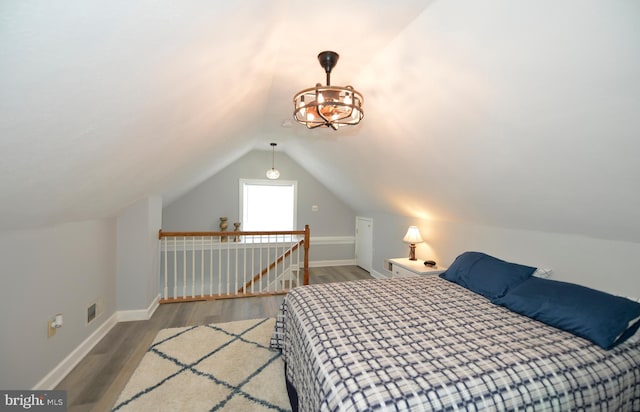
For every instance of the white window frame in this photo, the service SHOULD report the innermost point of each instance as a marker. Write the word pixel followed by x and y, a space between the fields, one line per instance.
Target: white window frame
pixel 265 182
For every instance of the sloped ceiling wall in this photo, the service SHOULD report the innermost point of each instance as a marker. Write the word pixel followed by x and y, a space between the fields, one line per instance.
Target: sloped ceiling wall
pixel 510 114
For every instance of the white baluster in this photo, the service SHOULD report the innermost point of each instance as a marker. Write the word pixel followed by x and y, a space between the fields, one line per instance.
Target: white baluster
pixel 219 266
pixel 184 266
pixel 260 265
pixel 298 263
pixel 193 267
pixel 281 245
pixel 175 268
pixel 202 248
pixel 228 269
pixel 166 270
pixel 268 264
pixel 253 259
pixel 210 265
pixel 244 266
pixel 235 277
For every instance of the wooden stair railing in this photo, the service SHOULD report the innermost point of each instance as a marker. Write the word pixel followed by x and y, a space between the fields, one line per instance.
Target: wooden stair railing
pixel 271 266
pixel 197 266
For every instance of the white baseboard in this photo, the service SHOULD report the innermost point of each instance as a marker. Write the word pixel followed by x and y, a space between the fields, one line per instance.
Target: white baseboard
pixel 139 314
pixel 378 275
pixel 323 263
pixel 53 378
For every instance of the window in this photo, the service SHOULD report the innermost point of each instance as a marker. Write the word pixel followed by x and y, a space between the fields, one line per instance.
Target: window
pixel 267 205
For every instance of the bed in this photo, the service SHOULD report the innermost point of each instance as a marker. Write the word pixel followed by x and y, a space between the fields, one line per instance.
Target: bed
pixel 426 343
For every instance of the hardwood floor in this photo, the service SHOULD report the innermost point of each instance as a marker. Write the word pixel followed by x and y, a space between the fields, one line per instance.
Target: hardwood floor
pixel 95 383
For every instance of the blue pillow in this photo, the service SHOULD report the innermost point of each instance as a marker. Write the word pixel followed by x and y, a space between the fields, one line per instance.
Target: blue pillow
pixel 604 319
pixel 486 275
pixel 462 263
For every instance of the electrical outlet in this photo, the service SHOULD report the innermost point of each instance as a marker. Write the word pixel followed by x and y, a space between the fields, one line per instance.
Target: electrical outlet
pixel 51 331
pixel 53 324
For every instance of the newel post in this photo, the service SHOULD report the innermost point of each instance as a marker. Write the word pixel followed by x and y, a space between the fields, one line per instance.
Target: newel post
pixel 307 236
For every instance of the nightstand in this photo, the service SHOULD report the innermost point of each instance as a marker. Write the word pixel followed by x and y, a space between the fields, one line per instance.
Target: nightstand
pixel 403 267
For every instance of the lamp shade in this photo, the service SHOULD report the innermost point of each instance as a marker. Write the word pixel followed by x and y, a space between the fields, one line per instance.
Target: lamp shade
pixel 413 235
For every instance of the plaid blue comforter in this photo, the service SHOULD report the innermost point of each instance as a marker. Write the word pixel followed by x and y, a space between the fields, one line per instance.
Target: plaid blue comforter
pixel 425 344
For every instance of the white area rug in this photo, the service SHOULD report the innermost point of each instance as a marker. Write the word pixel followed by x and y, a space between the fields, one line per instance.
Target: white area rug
pixel 217 367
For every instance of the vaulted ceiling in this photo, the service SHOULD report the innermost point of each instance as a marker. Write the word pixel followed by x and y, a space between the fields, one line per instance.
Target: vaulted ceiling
pixel 512 114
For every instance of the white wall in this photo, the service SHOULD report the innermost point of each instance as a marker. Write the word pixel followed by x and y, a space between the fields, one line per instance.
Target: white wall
pixel 200 208
pixel 601 264
pixel 332 225
pixel 63 269
pixel 137 254
pixel 49 270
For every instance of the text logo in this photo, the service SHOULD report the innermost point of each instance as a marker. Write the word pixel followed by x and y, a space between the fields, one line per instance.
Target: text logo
pixel 41 401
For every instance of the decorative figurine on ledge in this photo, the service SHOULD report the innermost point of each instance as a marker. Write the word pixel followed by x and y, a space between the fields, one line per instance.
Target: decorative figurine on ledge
pixel 223 228
pixel 236 228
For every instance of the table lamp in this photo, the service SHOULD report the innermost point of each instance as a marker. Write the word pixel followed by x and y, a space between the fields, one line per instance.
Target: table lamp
pixel 412 237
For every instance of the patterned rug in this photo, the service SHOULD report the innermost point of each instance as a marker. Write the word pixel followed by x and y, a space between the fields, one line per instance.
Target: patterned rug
pixel 217 367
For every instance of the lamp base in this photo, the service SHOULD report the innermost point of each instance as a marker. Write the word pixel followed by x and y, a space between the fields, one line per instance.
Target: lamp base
pixel 412 251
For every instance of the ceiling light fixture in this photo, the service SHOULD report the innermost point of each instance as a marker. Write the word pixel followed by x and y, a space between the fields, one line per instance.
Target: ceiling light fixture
pixel 330 106
pixel 273 173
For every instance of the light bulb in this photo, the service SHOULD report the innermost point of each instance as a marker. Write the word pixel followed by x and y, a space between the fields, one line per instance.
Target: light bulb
pixel 273 174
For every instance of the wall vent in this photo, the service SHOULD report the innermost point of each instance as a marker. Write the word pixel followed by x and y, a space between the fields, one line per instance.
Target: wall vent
pixel 92 312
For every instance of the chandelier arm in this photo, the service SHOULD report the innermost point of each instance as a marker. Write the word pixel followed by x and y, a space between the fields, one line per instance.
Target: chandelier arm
pixel 326 120
pixel 314 126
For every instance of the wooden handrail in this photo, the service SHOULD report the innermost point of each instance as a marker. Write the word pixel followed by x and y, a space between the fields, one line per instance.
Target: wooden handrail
pixel 162 234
